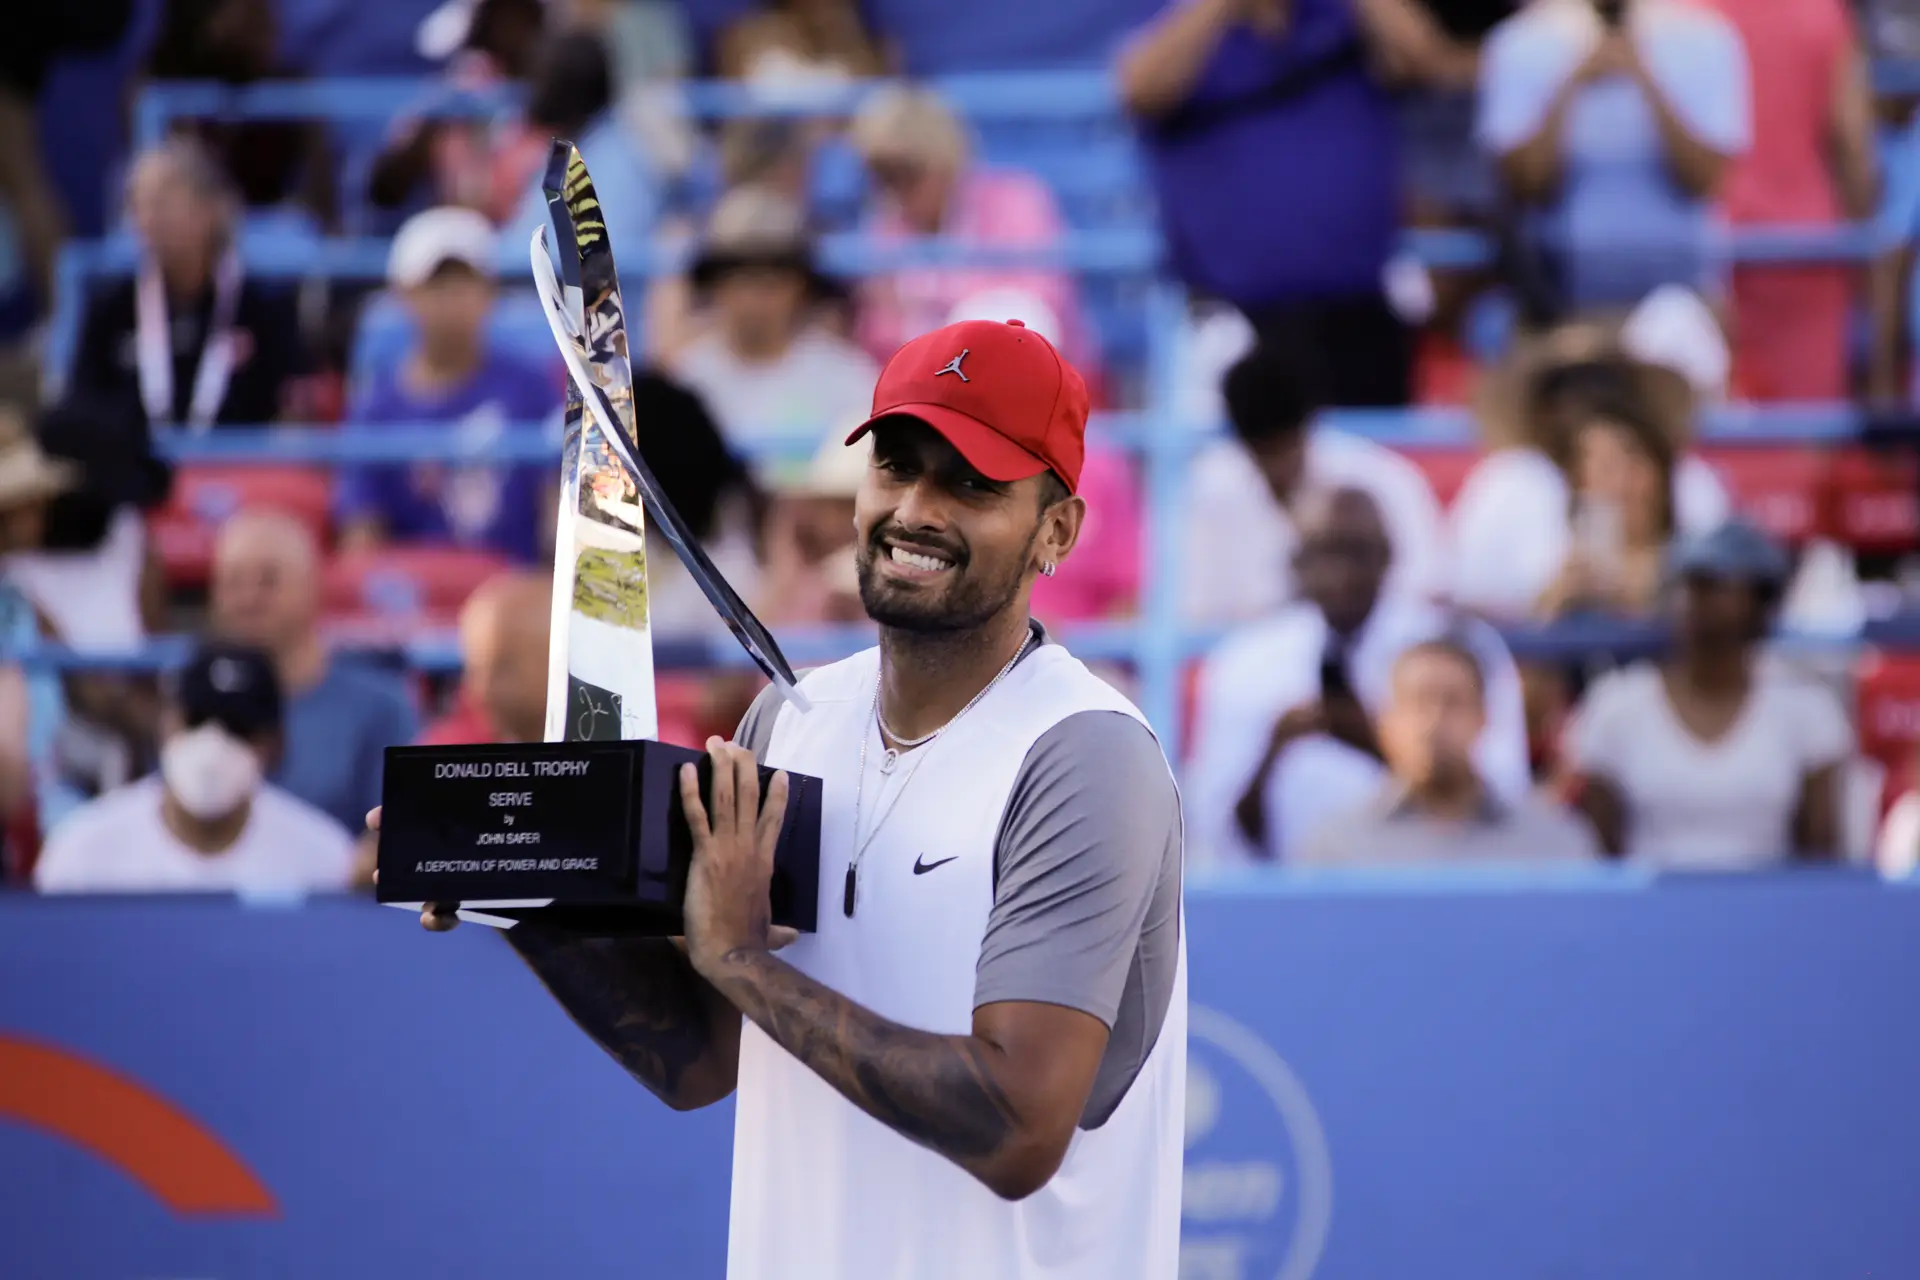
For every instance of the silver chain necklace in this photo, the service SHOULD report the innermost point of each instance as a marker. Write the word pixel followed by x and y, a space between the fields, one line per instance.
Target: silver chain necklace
pixel 892 758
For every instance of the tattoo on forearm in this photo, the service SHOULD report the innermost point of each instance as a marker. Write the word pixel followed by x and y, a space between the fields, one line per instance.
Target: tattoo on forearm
pixel 937 1090
pixel 638 998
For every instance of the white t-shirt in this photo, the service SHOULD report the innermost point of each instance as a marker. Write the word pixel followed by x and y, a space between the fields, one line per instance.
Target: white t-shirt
pixel 822 384
pixel 92 598
pixel 1696 805
pixel 1240 540
pixel 1509 531
pixel 118 844
pixel 1261 671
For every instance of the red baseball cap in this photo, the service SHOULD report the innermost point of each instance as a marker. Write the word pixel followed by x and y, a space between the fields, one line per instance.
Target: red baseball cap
pixel 999 393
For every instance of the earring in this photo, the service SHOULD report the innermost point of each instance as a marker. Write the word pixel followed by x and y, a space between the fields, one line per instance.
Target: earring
pixel 1048 567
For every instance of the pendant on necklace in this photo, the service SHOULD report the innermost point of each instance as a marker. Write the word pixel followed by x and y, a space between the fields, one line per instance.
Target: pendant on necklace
pixel 889 760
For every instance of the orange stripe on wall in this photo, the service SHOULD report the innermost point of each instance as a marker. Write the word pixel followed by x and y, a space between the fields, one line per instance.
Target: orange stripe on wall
pixel 127 1125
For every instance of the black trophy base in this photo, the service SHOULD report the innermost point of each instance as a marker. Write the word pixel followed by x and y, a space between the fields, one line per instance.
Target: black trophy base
pixel 587 838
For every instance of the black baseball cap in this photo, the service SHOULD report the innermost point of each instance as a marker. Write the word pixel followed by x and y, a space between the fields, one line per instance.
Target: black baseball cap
pixel 234 685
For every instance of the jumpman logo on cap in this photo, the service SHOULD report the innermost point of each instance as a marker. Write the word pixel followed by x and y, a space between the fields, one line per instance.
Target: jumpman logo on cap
pixel 953 366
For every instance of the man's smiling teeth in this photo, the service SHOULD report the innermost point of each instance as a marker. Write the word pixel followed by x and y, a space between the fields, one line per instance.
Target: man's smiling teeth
pixel 917 560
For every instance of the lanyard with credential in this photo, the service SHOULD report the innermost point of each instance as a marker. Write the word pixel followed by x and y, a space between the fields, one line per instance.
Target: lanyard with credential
pixel 153 343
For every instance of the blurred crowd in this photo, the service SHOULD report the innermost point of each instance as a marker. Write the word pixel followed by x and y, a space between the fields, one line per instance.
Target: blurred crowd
pixel 1364 705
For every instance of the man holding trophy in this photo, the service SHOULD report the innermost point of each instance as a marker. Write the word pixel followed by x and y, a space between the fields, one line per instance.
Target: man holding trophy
pixel 969 1059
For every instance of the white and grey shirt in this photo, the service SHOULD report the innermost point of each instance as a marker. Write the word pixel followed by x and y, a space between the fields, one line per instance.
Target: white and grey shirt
pixel 1086 910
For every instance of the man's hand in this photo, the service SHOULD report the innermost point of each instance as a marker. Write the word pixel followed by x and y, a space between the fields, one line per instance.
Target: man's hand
pixel 438 917
pixel 727 908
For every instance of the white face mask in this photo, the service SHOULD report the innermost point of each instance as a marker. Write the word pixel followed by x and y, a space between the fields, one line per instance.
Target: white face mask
pixel 209 771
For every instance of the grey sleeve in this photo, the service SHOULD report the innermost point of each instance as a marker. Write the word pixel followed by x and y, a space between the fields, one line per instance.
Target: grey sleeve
pixel 756 727
pixel 1087 891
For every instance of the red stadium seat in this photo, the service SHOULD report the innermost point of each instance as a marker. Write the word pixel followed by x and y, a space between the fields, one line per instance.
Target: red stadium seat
pixel 1782 490
pixel 1888 693
pixel 1875 501
pixel 422 586
pixel 1445 466
pixel 203 497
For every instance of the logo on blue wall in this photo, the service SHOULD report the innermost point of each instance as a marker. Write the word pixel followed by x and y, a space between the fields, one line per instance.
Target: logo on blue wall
pixel 1258 1195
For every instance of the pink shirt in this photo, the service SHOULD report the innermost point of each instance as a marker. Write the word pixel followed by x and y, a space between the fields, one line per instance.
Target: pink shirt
pixel 1790 322
pixel 1797 51
pixel 1101 579
pixel 990 207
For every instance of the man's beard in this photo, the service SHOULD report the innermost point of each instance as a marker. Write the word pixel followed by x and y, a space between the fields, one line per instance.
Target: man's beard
pixel 967 603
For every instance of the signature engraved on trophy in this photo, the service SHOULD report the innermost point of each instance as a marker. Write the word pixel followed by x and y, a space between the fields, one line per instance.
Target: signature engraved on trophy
pixel 596 712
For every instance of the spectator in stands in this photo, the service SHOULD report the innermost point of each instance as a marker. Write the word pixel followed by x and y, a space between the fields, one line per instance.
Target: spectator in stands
pixel 1717 758
pixel 769 156
pixel 88 731
pixel 1450 183
pixel 920 161
pixel 504 631
pixel 1511 523
pixel 764 367
pixel 713 490
pixel 1620 520
pixel 571 97
pixel 33 706
pixel 772 154
pixel 1449 179
pixel 1812 163
pixel 189 341
pixel 485 44
pixel 1435 808
pixel 798 43
pixel 237 42
pixel 1615 123
pixel 1272 139
pixel 810 578
pixel 441 265
pixel 209 820
pixel 1284 737
pixel 27 55
pixel 650 47
pixel 92 572
pixel 1243 494
pixel 340 716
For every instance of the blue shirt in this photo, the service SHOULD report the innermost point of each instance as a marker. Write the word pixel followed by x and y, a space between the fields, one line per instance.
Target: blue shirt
pixel 336 734
pixel 1289 200
pixel 493 508
pixel 1620 224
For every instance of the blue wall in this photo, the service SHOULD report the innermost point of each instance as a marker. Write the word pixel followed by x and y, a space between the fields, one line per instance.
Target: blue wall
pixel 1579 1080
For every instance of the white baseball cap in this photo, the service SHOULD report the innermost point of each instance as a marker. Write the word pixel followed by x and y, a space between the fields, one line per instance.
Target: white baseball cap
pixel 1673 327
pixel 434 237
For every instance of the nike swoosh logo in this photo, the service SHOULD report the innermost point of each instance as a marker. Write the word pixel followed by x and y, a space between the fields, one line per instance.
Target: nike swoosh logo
pixel 921 867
